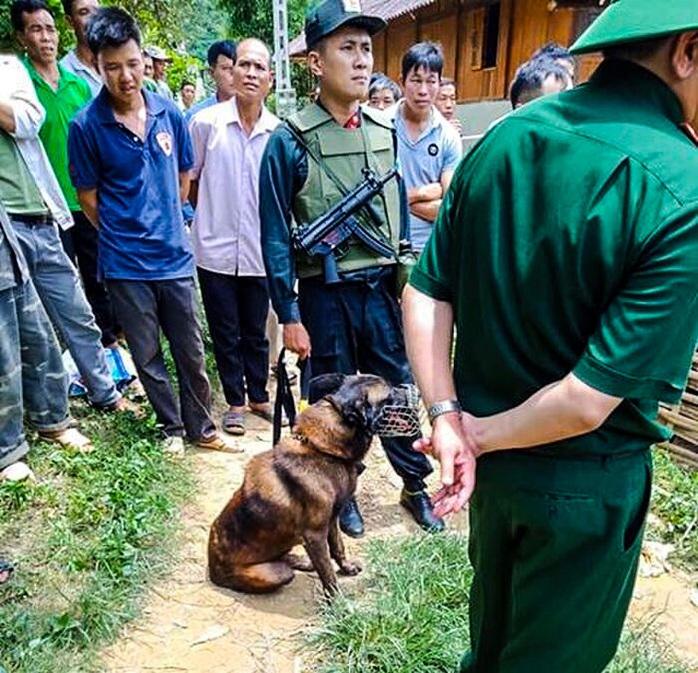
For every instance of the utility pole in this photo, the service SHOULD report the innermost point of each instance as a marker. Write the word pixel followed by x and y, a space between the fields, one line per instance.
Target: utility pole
pixel 285 93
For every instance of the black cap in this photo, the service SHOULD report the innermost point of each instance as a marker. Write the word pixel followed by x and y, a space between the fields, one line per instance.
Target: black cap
pixel 330 15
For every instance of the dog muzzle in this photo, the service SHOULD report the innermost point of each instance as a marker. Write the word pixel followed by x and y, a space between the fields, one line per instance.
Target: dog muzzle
pixel 401 420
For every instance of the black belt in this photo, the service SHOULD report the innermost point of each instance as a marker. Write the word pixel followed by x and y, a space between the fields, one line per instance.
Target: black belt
pixel 32 220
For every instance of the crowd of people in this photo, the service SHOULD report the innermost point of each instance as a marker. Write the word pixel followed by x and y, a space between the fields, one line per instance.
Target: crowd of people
pixel 562 249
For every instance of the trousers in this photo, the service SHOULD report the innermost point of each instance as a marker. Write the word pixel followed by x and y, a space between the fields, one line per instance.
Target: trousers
pixel 356 326
pixel 236 311
pixel 32 379
pixel 144 308
pixel 555 545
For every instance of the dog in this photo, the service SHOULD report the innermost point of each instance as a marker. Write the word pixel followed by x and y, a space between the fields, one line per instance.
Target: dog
pixel 293 493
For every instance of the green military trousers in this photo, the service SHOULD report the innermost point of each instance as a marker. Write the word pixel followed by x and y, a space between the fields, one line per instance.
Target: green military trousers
pixel 555 544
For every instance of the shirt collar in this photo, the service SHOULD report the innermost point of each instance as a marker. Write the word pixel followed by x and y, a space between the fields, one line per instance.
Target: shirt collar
pixel 399 120
pixel 154 105
pixel 38 79
pixel 641 86
pixel 267 122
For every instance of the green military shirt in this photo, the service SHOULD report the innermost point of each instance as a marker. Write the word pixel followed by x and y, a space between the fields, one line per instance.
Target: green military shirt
pixel 568 241
pixel 60 105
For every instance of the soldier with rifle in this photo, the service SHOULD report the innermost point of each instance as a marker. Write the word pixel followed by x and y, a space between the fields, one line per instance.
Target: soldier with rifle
pixel 332 216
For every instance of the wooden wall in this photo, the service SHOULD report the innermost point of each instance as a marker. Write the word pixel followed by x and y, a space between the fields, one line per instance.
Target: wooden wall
pixel 524 26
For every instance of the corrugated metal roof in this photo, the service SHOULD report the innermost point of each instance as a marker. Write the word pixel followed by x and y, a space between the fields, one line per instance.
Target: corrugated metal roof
pixel 386 9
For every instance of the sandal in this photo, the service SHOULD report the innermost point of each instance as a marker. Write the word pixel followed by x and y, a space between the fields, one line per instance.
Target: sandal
pixel 218 443
pixel 268 415
pixel 69 438
pixel 234 423
pixel 6 571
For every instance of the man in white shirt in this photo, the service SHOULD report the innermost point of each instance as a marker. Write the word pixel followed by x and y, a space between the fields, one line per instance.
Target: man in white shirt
pixel 229 139
pixel 79 60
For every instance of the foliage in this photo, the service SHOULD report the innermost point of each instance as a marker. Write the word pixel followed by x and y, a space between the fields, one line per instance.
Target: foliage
pixel 404 619
pixel 675 502
pixel 85 540
pixel 184 26
pixel 410 613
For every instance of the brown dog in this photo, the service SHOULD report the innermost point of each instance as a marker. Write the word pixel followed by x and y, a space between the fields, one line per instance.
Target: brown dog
pixel 292 494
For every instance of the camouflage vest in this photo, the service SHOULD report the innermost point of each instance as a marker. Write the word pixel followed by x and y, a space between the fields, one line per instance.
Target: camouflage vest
pixel 346 153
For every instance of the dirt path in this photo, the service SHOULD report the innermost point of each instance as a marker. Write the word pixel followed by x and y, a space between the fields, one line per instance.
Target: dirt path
pixel 190 625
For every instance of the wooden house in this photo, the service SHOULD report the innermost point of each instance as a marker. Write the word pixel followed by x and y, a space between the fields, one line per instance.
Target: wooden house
pixel 484 41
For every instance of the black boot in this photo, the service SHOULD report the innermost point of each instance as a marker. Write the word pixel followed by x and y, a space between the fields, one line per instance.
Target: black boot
pixel 350 521
pixel 419 506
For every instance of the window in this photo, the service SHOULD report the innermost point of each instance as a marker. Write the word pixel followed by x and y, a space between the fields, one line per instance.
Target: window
pixel 490 42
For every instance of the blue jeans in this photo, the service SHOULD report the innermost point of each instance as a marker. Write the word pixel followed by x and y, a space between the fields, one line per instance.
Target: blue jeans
pixel 58 284
pixel 32 378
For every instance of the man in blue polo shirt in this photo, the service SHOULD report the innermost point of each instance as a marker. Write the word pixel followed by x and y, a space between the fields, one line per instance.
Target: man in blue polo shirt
pixel 429 147
pixel 130 157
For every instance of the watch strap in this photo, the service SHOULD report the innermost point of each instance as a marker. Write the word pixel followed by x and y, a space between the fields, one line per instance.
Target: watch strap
pixel 443 407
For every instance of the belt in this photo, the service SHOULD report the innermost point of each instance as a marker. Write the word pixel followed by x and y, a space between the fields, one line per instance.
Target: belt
pixel 33 220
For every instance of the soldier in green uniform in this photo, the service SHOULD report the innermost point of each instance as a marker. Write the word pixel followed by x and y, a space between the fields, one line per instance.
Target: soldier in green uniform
pixel 566 256
pixel 310 162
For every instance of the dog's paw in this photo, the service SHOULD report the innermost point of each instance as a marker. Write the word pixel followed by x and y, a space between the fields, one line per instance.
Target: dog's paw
pixel 350 568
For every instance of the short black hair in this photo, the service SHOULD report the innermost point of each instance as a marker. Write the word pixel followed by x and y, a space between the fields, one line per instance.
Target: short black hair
pixel 555 51
pixel 225 48
pixel 111 27
pixel 381 82
pixel 19 7
pixel 427 55
pixel 530 77
pixel 637 50
pixel 67 7
pixel 186 82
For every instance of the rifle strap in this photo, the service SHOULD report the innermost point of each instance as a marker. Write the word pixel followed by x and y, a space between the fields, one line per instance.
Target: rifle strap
pixel 341 187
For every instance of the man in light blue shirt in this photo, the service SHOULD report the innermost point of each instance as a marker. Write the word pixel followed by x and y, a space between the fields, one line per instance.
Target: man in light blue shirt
pixel 79 60
pixel 221 59
pixel 429 148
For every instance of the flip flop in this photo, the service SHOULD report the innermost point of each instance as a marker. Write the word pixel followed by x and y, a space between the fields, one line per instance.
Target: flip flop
pixel 218 443
pixel 234 423
pixel 70 438
pixel 268 415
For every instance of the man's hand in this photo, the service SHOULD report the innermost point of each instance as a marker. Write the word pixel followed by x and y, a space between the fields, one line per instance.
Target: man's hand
pixel 297 339
pixel 453 445
pixel 429 192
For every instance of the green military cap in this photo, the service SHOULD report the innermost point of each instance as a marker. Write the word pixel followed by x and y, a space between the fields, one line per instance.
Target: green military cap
pixel 324 18
pixel 633 20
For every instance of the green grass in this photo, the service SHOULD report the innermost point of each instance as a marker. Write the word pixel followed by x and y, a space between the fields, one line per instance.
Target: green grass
pixel 85 539
pixel 410 616
pixel 675 502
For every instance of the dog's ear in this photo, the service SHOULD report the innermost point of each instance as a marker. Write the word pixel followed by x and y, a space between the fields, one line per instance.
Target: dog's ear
pixel 324 385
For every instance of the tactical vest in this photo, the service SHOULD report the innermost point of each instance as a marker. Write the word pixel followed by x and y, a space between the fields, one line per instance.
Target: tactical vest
pixel 345 152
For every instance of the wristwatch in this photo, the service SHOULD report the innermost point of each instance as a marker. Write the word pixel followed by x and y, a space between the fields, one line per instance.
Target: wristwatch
pixel 443 407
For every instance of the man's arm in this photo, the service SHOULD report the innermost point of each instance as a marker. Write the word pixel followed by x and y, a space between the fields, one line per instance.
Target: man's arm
pixel 566 408
pixel 87 198
pixel 283 171
pixel 184 182
pixel 21 114
pixel 428 327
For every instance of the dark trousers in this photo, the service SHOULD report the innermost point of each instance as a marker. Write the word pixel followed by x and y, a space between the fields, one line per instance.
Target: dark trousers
pixel 80 242
pixel 555 544
pixel 357 326
pixel 236 311
pixel 143 309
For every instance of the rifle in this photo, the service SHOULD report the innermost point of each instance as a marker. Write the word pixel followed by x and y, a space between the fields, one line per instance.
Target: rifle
pixel 323 236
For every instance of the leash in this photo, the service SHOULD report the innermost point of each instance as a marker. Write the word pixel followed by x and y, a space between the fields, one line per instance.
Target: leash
pixel 284 402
